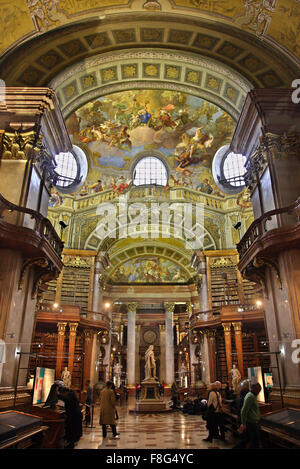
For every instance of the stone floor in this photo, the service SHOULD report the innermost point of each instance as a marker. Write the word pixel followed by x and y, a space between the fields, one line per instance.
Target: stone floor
pixel 173 430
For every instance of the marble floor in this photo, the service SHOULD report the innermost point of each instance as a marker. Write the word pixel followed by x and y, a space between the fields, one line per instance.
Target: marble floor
pixel 173 430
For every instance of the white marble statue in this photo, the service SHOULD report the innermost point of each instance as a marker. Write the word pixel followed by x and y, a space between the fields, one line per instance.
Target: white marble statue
pixel 235 378
pixel 117 374
pixel 66 377
pixel 182 375
pixel 150 366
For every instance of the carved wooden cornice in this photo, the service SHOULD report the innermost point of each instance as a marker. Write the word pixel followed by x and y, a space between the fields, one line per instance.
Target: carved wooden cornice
pixel 77 262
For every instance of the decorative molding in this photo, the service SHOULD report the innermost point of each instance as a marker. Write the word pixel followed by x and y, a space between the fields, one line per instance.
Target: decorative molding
pixel 78 262
pixel 223 262
pixel 260 261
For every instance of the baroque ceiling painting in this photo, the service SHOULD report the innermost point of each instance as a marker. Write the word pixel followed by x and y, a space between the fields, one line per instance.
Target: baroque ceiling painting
pixel 149 270
pixel 184 129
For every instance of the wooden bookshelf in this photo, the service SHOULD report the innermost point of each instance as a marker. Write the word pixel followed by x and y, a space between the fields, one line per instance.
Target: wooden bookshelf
pixel 76 287
pixel 221 364
pixel 50 294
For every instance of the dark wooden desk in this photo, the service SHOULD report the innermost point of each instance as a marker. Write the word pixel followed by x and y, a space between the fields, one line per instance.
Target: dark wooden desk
pixel 29 439
pixel 273 435
pixel 21 430
pixel 55 421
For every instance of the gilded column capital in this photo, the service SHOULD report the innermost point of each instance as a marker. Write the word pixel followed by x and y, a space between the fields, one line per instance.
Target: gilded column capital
pixel 88 334
pixel 211 333
pixel 61 326
pixel 162 328
pixel 17 145
pixel 131 307
pixel 226 327
pixel 237 326
pixel 169 307
pixel 73 327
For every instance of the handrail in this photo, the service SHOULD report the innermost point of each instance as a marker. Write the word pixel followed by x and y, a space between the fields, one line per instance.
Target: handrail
pixel 43 226
pixel 210 314
pixel 216 314
pixel 136 193
pixel 258 226
pixel 84 314
pixel 95 316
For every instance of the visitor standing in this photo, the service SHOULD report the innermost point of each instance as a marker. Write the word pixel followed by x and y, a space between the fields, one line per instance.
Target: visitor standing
pixel 214 413
pixel 108 410
pixel 250 417
pixel 73 423
pixel 88 403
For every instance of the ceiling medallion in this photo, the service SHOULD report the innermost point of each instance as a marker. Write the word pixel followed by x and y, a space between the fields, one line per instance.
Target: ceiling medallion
pixel 150 336
pixel 152 5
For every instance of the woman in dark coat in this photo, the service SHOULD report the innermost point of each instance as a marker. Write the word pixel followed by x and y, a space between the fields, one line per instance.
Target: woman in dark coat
pixel 73 424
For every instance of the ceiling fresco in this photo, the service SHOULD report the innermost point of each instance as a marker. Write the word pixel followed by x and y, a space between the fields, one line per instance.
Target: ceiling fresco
pixel 148 270
pixel 183 129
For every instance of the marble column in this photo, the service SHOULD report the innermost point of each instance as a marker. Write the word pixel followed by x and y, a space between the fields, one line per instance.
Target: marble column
pixel 239 346
pixel 94 360
pixel 106 359
pixel 202 283
pixel 131 308
pixel 228 347
pixel 169 312
pixel 211 339
pixel 193 362
pixel 205 359
pixel 60 347
pixel 97 292
pixel 137 354
pixel 88 344
pixel 72 341
pixel 162 342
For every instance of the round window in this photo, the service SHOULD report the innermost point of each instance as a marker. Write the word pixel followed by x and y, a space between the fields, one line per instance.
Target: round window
pixel 228 170
pixel 70 170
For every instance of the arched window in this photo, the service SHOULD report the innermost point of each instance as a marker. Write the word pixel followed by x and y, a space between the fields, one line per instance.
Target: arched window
pixel 150 170
pixel 228 170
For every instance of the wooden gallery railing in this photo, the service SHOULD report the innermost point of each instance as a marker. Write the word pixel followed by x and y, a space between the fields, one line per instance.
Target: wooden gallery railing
pixel 259 227
pixel 28 219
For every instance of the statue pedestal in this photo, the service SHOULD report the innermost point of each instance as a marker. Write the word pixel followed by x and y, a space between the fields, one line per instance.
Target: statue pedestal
pixel 151 400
